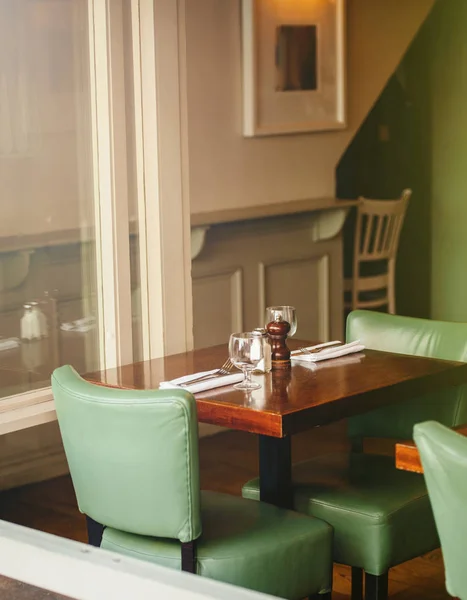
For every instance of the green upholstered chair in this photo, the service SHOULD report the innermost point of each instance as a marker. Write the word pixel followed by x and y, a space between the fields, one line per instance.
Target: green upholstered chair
pixel 381 516
pixel 133 459
pixel 444 458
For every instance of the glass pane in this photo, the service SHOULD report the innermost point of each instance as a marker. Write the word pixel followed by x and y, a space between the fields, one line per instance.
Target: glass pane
pixel 47 249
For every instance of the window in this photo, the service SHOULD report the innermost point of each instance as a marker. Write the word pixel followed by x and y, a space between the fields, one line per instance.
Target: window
pixel 65 292
pixel 84 275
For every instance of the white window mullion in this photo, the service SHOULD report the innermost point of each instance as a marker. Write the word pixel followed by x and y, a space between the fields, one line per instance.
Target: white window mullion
pixel 110 185
pixel 147 160
pixel 169 29
pixel 164 214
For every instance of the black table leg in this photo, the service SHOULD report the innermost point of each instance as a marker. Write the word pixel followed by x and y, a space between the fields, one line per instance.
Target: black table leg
pixel 275 471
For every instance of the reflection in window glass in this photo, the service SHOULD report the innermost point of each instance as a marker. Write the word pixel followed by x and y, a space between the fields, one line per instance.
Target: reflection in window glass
pixel 47 250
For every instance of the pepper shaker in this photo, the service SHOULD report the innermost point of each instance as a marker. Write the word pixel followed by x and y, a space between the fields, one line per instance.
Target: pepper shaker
pixel 278 331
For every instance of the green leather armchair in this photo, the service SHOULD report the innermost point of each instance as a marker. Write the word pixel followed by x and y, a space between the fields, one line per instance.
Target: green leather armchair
pixel 381 516
pixel 133 459
pixel 444 458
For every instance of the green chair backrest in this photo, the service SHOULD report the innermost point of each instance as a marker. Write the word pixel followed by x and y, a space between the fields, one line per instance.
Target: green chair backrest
pixel 444 458
pixel 132 454
pixel 419 337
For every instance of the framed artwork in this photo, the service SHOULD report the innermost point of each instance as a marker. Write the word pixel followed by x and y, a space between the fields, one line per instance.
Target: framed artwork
pixel 293 66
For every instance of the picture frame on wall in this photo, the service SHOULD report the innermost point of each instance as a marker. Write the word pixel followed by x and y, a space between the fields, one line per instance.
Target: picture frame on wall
pixel 294 75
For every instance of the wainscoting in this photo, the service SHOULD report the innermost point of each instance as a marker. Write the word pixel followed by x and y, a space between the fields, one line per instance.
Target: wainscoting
pixel 239 269
pixel 244 267
pixel 31 455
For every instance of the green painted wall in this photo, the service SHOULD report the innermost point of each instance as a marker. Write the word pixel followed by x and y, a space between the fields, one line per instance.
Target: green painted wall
pixel 448 91
pixel 378 166
pixel 423 111
pixel 436 72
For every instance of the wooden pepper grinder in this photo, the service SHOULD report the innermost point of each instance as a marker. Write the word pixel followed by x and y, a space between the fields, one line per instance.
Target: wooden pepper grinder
pixel 278 331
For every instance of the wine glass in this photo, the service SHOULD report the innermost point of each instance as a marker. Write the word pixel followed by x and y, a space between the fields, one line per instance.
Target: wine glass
pixel 282 313
pixel 246 351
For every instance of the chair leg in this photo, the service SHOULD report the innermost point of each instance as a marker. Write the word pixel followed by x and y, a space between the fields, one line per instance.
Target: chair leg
pixel 376 587
pixel 392 287
pixel 357 583
pixel 95 532
pixel 189 557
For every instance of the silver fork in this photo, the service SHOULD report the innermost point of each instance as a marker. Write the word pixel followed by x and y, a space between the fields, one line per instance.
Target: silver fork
pixel 224 370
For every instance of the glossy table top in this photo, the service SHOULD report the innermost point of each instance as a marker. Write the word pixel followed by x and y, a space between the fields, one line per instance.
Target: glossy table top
pixel 296 400
pixel 408 457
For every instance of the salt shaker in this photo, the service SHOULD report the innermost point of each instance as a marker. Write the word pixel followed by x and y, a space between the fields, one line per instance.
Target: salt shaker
pixel 29 324
pixel 41 319
pixel 265 364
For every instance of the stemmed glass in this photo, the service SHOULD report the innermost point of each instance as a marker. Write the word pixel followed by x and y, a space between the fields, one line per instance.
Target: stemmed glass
pixel 283 313
pixel 246 351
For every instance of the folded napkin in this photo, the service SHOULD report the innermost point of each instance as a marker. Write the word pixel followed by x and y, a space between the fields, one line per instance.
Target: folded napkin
pixel 350 359
pixel 205 384
pixel 80 325
pixel 328 353
pixel 9 343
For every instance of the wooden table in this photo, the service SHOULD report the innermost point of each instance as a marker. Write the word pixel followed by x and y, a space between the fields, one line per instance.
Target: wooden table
pixel 408 457
pixel 296 400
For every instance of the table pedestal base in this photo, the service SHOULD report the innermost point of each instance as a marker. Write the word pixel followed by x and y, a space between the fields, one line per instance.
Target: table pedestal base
pixel 275 471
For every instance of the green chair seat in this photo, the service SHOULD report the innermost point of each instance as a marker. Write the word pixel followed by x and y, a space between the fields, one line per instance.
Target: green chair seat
pixel 251 544
pixel 381 516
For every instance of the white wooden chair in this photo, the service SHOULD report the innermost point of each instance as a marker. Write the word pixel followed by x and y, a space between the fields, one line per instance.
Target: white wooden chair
pixel 378 228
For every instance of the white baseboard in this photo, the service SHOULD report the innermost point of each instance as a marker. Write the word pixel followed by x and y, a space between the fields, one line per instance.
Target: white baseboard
pixel 31 455
pixel 34 470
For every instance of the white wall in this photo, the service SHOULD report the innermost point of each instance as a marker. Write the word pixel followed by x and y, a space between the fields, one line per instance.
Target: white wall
pixel 229 171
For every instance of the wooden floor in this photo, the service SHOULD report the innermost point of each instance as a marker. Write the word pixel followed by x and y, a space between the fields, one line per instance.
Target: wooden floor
pixel 16 590
pixel 227 461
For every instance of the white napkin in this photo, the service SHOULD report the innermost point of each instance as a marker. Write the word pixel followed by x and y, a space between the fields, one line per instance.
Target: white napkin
pixel 328 353
pixel 80 325
pixel 206 384
pixel 9 343
pixel 350 359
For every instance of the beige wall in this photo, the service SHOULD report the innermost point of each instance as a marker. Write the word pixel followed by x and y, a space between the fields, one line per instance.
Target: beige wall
pixel 40 186
pixel 229 171
pixel 40 192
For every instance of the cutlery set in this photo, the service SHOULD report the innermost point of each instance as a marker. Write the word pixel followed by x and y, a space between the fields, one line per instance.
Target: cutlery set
pixel 248 351
pixel 327 348
pixel 319 347
pixel 323 350
pixel 226 369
